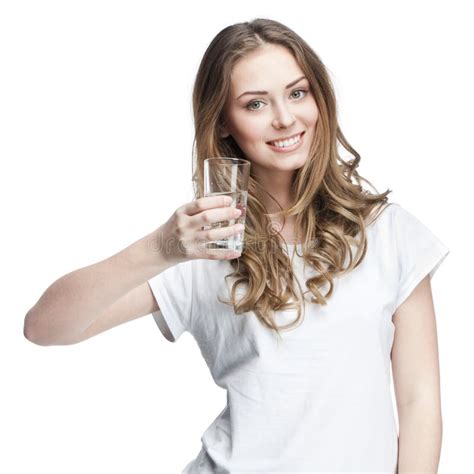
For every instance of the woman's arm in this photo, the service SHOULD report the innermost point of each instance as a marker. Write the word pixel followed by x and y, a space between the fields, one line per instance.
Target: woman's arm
pixel 72 303
pixel 415 367
pixel 100 296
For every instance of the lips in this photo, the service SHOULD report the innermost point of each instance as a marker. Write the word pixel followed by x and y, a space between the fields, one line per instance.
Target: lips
pixel 286 138
pixel 287 150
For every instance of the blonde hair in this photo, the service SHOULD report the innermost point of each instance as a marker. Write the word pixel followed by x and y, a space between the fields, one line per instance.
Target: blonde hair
pixel 330 209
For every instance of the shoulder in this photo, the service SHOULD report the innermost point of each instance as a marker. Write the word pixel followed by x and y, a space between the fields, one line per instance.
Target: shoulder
pixel 382 216
pixel 391 214
pixel 394 225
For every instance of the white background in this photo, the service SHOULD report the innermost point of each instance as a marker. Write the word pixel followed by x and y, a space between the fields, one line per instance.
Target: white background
pixel 96 135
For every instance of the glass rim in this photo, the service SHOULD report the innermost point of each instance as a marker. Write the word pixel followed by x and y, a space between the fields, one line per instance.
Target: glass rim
pixel 228 160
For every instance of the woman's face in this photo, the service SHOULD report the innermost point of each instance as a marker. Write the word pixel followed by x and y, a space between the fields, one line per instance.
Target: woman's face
pixel 275 112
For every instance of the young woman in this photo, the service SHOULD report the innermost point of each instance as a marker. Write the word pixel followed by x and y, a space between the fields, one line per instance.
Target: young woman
pixel 331 291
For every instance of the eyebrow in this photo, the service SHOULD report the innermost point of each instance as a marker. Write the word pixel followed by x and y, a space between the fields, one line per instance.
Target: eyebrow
pixel 265 92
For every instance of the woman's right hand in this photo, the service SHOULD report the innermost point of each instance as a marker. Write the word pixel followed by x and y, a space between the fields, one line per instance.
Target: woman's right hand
pixel 183 238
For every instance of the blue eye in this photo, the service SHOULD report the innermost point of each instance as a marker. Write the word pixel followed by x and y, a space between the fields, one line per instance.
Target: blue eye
pixel 249 105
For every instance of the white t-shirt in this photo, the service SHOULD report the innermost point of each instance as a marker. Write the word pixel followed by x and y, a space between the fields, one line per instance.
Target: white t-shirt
pixel 320 399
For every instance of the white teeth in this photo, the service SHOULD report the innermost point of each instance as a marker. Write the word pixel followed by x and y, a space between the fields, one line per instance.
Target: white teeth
pixel 286 143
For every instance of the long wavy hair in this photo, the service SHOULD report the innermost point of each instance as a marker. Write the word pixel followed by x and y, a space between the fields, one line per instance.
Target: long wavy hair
pixel 330 208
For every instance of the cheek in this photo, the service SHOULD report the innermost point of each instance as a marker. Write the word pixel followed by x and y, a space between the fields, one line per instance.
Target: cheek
pixel 249 129
pixel 311 113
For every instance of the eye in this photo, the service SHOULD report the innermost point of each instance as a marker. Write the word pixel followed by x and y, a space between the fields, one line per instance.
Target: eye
pixel 249 105
pixel 300 90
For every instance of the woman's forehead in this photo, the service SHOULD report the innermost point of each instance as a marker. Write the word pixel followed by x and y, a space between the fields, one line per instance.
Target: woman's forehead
pixel 264 67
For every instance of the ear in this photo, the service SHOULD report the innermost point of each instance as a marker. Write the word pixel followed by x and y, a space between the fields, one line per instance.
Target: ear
pixel 223 131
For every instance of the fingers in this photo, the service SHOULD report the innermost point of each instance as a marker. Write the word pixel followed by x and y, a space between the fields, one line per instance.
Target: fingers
pixel 206 221
pixel 211 217
pixel 218 254
pixel 205 203
pixel 219 233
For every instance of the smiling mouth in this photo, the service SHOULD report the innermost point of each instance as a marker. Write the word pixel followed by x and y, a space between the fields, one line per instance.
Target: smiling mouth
pixel 288 142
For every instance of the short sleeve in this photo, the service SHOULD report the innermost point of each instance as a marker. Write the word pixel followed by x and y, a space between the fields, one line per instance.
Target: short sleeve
pixel 419 252
pixel 173 291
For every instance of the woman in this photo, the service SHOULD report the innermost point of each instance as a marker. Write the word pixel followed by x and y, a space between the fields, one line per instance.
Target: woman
pixel 353 300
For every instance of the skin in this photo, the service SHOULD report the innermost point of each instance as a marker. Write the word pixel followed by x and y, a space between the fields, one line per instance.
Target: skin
pixel 415 368
pixel 252 120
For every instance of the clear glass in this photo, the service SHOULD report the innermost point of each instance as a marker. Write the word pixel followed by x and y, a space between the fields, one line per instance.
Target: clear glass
pixel 229 177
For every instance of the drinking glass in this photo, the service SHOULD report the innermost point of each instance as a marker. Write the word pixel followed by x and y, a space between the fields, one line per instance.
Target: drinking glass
pixel 228 177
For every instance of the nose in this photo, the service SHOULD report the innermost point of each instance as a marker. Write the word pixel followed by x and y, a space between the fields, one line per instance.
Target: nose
pixel 283 117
